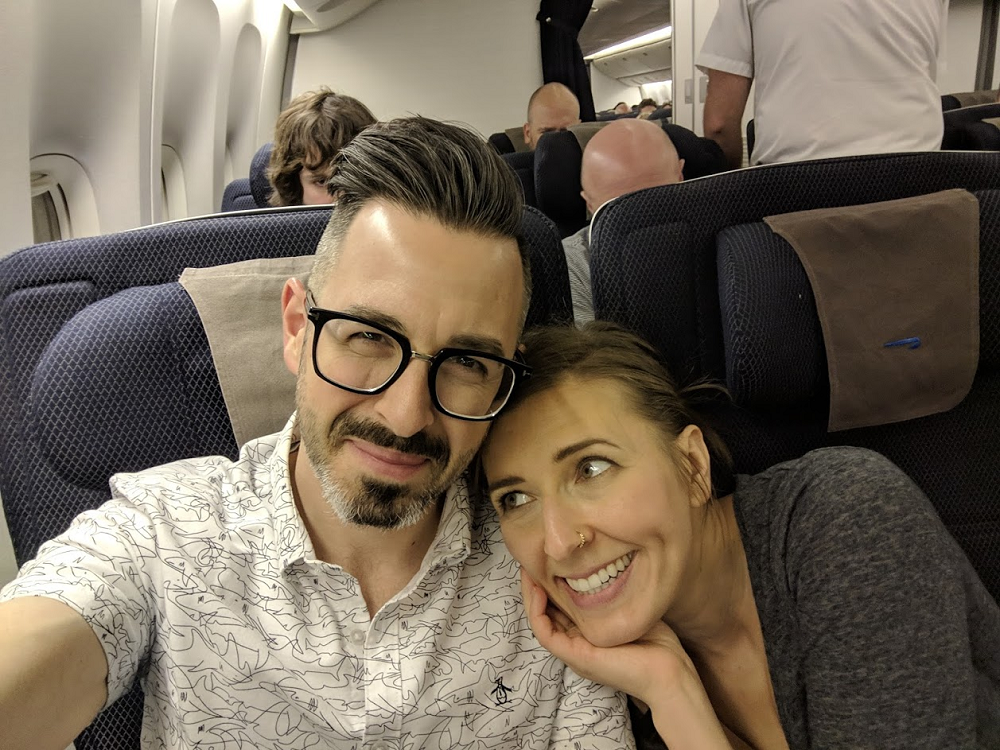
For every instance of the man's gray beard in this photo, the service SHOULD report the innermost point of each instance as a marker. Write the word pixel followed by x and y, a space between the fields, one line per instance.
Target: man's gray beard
pixel 377 504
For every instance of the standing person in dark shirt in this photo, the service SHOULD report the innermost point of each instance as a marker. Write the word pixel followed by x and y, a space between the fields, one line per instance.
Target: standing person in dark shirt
pixel 821 604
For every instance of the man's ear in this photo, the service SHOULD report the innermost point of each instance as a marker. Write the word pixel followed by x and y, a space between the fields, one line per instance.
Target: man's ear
pixel 690 444
pixel 590 206
pixel 294 322
pixel 680 170
pixel 526 132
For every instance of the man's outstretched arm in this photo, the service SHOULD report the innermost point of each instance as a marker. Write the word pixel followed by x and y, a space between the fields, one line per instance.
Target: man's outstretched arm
pixel 53 674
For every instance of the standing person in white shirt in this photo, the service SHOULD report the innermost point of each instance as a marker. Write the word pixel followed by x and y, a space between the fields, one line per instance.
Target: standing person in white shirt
pixel 338 585
pixel 832 78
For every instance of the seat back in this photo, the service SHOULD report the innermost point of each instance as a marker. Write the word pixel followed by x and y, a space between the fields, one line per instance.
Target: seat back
pixel 523 164
pixel 559 155
pixel 237 196
pixel 260 186
pixel 104 367
pixel 502 143
pixel 692 268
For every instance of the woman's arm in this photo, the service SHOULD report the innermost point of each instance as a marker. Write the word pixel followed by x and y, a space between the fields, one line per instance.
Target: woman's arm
pixel 655 669
pixel 879 598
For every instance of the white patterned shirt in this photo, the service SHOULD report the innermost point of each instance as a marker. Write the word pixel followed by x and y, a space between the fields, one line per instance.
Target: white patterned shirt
pixel 199 578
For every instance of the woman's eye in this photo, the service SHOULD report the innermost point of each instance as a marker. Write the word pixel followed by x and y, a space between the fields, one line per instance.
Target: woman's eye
pixel 511 500
pixel 594 467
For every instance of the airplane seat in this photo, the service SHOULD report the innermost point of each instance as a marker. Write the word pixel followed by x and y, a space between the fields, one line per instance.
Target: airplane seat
pixel 237 196
pixel 694 269
pixel 260 186
pixel 558 157
pixel 106 367
pixel 523 164
pixel 663 113
pixel 509 141
pixel 972 128
pixel 502 143
pixel 55 455
pixel 949 101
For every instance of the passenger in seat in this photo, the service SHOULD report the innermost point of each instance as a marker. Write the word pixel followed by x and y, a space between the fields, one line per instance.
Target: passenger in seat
pixel 551 107
pixel 621 108
pixel 622 157
pixel 646 108
pixel 308 134
pixel 338 585
pixel 818 604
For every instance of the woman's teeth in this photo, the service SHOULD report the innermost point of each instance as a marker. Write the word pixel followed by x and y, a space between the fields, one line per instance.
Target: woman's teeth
pixel 602 578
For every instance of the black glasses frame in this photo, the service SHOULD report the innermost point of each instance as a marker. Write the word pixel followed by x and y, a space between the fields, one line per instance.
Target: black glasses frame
pixel 319 316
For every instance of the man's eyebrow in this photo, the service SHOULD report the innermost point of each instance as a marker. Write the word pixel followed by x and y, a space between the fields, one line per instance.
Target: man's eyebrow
pixel 375 316
pixel 485 344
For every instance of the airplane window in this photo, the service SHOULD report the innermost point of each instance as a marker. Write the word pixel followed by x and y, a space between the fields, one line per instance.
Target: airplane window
pixel 49 209
pixel 44 219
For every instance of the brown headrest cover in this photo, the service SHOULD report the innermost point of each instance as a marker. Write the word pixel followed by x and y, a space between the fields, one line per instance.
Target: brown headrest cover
pixel 897 293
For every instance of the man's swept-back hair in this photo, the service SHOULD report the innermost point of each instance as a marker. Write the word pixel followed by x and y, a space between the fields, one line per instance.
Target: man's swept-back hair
pixel 309 132
pixel 428 168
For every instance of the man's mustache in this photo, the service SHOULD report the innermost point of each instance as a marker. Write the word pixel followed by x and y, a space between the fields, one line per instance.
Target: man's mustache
pixel 420 444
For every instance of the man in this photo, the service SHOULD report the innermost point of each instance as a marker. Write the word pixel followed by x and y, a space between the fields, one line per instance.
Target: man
pixel 308 134
pixel 552 107
pixel 621 108
pixel 338 585
pixel 622 157
pixel 832 79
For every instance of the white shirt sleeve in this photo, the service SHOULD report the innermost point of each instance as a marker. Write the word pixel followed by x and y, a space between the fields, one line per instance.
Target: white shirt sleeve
pixel 729 44
pixel 96 567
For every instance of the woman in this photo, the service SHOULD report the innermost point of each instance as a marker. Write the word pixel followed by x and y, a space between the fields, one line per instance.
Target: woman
pixel 821 604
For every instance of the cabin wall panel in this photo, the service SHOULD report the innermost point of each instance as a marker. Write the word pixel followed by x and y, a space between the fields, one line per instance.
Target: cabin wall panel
pixel 15 95
pixel 86 103
pixel 608 91
pixel 475 62
pixel 961 51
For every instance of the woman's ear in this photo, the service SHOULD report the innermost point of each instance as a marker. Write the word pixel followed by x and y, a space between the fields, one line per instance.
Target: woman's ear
pixel 694 453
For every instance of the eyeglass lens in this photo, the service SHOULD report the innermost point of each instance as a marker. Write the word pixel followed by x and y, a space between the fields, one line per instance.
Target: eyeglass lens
pixel 358 356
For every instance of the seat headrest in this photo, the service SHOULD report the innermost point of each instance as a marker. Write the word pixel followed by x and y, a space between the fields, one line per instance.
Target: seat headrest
pixel 773 340
pixel 128 383
pixel 516 136
pixel 260 186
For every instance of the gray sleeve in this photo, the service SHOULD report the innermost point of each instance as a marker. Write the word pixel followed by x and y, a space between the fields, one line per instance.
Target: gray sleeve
pixel 578 266
pixel 880 601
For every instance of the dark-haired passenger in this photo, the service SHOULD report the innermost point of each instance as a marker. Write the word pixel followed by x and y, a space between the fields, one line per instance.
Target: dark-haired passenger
pixel 308 134
pixel 338 584
pixel 818 604
pixel 646 108
pixel 621 108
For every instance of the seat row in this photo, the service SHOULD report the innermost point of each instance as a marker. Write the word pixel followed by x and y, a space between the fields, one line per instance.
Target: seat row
pixel 105 365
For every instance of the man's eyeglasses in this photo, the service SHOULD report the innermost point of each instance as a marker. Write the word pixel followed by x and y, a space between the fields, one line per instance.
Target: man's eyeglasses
pixel 362 356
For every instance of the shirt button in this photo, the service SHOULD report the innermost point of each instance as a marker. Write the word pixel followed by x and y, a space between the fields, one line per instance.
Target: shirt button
pixel 358 637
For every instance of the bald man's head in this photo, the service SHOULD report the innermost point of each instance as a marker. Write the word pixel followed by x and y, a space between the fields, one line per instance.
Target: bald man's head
pixel 625 156
pixel 551 107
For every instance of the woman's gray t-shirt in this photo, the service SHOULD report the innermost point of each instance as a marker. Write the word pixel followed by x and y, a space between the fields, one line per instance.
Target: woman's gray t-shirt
pixel 879 633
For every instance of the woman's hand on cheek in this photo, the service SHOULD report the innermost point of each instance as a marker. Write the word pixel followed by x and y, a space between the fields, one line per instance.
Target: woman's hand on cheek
pixel 644 668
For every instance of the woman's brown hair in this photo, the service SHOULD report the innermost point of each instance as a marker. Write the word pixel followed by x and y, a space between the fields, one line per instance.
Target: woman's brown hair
pixel 606 351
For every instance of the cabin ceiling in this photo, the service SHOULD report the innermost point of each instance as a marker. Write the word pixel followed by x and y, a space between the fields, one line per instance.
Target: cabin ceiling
pixel 613 21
